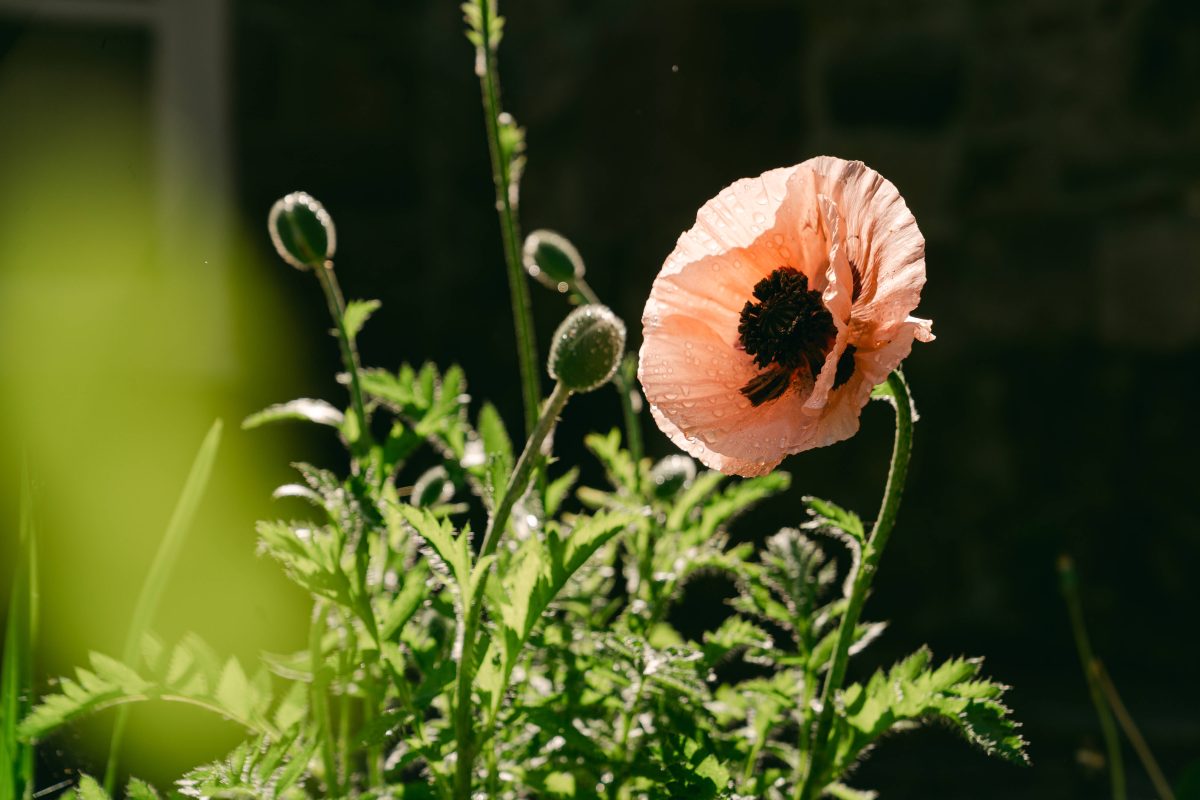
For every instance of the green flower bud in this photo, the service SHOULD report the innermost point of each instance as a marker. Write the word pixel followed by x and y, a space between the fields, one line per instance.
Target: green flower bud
pixel 552 260
pixel 671 475
pixel 587 348
pixel 302 230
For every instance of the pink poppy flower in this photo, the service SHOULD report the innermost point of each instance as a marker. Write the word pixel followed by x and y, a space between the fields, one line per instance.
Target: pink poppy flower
pixel 779 311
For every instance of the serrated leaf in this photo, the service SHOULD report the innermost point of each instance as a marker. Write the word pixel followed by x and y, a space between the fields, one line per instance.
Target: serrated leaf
pixel 558 489
pixel 621 471
pixel 303 409
pixel 357 314
pixel 826 514
pixel 734 634
pixel 191 675
pixel 498 452
pixel 89 789
pixel 913 692
pixel 140 790
pixel 542 571
pixel 265 769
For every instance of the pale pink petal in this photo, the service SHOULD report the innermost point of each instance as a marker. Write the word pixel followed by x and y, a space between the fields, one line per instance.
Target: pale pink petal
pixel 714 289
pixel 692 374
pixel 871 368
pixel 733 219
pixel 693 379
pixel 883 243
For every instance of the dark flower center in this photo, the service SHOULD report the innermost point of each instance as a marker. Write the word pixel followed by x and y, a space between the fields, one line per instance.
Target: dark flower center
pixel 788 330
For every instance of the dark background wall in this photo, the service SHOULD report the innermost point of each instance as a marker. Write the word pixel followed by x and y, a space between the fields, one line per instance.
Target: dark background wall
pixel 1051 154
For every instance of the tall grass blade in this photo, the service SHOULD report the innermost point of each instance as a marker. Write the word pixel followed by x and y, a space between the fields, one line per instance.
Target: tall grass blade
pixel 160 572
pixel 16 669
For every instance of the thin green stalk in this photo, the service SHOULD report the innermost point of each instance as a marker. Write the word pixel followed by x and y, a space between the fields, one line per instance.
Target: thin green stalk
pixel 1069 583
pixel 16 666
pixel 156 580
pixel 614 789
pixel 337 310
pixel 1161 785
pixel 372 702
pixel 319 700
pixel 869 565
pixel 463 719
pixel 489 82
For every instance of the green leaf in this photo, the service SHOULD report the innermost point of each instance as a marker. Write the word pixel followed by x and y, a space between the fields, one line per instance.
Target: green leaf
pixel 828 515
pixel 303 409
pixel 311 556
pixel 734 634
pixel 357 314
pixel 140 790
pixel 700 490
pixel 452 555
pixel 738 497
pixel 558 489
pixel 90 790
pixel 542 571
pixel 913 692
pixel 265 769
pixel 16 667
pixel 192 674
pixel 498 452
pixel 619 466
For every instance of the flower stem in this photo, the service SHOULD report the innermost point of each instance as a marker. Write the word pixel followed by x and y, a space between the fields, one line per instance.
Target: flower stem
pixel 1069 583
pixel 1132 732
pixel 464 733
pixel 337 310
pixel 489 84
pixel 868 566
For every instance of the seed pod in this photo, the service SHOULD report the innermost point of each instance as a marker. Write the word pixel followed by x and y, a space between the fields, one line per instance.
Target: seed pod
pixel 552 260
pixel 587 348
pixel 302 230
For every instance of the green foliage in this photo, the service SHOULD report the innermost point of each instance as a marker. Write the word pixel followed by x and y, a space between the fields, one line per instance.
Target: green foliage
pixel 265 769
pixel 539 660
pixel 913 691
pixel 190 672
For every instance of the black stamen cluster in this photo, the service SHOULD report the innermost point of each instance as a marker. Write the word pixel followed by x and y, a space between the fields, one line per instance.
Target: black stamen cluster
pixel 789 326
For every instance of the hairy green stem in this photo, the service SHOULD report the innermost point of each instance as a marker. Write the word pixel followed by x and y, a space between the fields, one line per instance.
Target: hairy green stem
pixel 868 566
pixel 489 83
pixel 337 310
pixel 1069 583
pixel 473 600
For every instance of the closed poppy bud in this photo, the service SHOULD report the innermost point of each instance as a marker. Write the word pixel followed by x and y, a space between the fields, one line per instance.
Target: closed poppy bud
pixel 552 260
pixel 302 230
pixel 587 348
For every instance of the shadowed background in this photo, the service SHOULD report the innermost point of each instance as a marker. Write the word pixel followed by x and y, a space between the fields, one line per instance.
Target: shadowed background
pixel 1050 152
